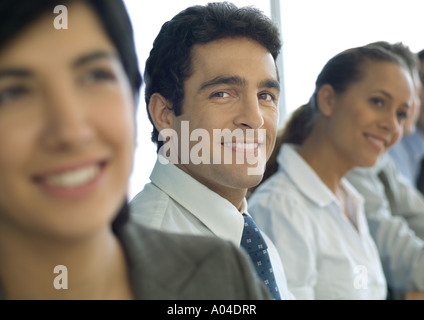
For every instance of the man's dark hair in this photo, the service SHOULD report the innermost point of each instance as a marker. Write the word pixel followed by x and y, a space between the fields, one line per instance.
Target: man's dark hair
pixel 169 63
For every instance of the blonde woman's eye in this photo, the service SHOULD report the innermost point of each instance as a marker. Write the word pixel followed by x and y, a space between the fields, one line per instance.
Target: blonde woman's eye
pixel 377 101
pixel 402 115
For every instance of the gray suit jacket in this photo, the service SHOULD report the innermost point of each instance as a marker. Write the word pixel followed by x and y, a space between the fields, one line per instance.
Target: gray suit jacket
pixel 165 266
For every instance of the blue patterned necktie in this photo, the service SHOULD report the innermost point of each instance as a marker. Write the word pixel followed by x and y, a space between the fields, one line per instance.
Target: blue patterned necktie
pixel 253 242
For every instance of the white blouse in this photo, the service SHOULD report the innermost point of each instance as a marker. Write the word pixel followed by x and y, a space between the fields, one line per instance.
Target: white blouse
pixel 325 255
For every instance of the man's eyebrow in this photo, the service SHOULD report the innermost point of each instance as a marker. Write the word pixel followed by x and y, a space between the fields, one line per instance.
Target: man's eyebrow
pixel 270 84
pixel 85 59
pixel 238 81
pixel 234 80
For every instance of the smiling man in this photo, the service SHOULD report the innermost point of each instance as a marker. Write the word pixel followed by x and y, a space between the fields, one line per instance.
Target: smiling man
pixel 212 90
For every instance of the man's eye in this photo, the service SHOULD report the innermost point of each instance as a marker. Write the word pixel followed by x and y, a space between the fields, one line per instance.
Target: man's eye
pixel 267 97
pixel 220 94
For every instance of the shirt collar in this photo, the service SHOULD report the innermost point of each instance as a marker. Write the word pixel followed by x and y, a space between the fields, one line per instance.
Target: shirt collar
pixel 381 163
pixel 303 176
pixel 216 212
pixel 308 182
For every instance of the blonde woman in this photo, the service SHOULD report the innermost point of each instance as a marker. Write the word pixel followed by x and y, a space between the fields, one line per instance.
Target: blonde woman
pixel 314 216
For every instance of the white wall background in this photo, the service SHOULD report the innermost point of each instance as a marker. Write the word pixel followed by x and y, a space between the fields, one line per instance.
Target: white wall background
pixel 313 31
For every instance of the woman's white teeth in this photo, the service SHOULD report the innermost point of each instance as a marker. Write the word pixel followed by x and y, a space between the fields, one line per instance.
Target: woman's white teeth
pixel 376 141
pixel 74 178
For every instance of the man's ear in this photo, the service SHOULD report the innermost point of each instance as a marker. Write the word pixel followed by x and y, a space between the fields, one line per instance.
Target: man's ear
pixel 326 99
pixel 161 112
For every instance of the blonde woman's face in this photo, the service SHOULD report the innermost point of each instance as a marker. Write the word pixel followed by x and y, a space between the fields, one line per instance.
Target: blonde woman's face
pixel 368 118
pixel 66 128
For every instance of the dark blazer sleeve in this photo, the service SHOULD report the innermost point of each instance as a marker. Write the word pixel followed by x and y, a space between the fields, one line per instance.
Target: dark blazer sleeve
pixel 253 287
pixel 165 266
pixel 225 273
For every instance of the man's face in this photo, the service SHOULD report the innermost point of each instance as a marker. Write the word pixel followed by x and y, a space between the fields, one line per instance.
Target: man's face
pixel 231 102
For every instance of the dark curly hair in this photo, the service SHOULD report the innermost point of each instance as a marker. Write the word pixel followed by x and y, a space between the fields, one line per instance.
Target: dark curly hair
pixel 169 63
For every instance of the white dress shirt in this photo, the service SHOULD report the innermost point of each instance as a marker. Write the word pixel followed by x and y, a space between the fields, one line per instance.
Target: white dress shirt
pixel 395 215
pixel 395 195
pixel 325 255
pixel 175 202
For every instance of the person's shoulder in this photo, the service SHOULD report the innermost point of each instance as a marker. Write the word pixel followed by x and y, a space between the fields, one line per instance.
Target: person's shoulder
pixel 274 185
pixel 199 262
pixel 149 195
pixel 182 247
pixel 275 192
pixel 171 240
pixel 150 205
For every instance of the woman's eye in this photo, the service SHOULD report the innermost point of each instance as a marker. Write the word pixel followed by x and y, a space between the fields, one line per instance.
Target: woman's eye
pixel 402 114
pixel 11 94
pixel 99 75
